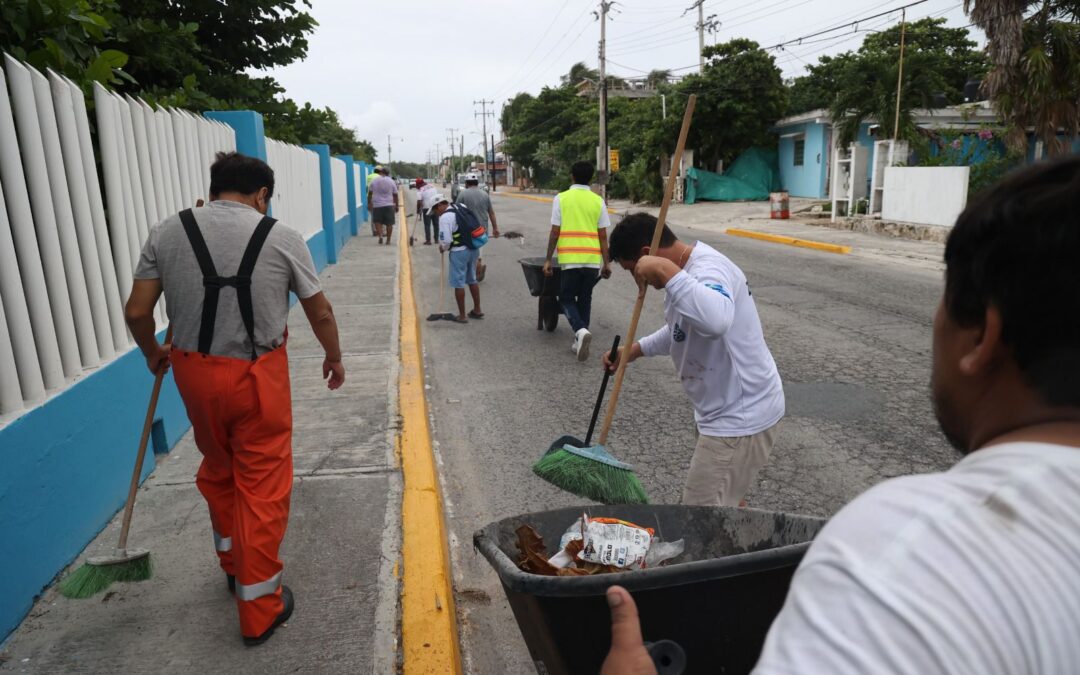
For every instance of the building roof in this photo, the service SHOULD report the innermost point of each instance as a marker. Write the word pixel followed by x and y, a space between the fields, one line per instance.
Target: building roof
pixel 965 114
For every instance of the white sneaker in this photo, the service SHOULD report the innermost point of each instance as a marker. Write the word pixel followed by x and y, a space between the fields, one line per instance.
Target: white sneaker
pixel 584 337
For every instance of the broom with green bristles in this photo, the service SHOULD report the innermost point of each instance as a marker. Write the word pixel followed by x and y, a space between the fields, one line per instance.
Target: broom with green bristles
pixel 123 564
pixel 592 471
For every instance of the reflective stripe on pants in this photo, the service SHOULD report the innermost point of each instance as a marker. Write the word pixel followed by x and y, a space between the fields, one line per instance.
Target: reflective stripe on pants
pixel 241 415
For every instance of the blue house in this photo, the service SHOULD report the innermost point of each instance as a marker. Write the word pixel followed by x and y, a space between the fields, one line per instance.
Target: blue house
pixel 806 145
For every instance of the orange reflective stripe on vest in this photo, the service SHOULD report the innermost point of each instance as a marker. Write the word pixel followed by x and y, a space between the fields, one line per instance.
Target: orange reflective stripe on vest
pixel 579 236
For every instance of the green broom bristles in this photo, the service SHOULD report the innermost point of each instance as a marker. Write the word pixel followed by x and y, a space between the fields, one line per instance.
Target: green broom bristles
pixel 90 579
pixel 590 479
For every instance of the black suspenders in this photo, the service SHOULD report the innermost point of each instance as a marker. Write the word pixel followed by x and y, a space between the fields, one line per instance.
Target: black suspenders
pixel 212 283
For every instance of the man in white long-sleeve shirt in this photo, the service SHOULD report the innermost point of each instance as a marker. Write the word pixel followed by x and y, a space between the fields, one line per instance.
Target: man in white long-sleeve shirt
pixel 713 334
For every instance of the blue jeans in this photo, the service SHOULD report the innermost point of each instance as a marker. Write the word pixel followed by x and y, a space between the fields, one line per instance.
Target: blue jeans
pixel 575 295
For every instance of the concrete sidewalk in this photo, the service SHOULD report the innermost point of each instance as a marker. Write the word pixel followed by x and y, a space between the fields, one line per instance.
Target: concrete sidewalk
pixel 339 552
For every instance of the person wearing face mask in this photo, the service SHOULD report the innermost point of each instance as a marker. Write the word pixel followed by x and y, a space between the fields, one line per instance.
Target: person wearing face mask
pixel 226 270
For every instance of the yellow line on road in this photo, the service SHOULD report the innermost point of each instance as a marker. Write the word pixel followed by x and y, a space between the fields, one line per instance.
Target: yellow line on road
pixel 790 241
pixel 536 198
pixel 428 618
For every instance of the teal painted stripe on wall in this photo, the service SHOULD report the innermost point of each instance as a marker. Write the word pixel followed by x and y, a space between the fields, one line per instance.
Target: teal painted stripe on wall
pixel 66 468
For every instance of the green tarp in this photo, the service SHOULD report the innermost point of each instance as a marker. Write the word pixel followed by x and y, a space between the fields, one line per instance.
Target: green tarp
pixel 751 177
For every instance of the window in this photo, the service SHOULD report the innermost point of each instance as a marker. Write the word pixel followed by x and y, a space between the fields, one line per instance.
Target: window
pixel 800 151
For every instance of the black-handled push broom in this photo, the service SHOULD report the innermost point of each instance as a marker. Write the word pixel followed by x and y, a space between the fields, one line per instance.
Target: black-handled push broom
pixel 592 471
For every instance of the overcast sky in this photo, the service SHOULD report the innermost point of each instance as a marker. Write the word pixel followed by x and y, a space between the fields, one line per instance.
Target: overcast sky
pixel 413 69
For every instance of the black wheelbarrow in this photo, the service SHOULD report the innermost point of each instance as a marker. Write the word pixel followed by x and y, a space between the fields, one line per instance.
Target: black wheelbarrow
pixel 715 602
pixel 545 288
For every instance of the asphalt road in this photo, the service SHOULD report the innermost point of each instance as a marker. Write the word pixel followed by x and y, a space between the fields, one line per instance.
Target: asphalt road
pixel 850 335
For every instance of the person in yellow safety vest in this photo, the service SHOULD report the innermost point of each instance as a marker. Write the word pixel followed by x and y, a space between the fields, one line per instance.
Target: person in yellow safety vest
pixel 579 222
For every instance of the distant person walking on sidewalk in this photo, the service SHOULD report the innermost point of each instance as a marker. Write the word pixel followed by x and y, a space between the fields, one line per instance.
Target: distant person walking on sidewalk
pixel 371 177
pixel 383 204
pixel 714 336
pixel 462 257
pixel 431 224
pixel 579 222
pixel 232 371
pixel 479 202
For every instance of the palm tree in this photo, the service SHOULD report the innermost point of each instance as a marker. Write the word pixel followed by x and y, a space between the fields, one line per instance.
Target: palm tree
pixel 578 72
pixel 1035 81
pixel 657 77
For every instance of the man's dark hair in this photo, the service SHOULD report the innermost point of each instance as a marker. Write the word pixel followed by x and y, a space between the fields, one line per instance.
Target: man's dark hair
pixel 471 182
pixel 1016 247
pixel 233 172
pixel 582 173
pixel 634 232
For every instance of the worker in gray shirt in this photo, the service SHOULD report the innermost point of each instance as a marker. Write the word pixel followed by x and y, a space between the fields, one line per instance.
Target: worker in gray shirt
pixel 479 202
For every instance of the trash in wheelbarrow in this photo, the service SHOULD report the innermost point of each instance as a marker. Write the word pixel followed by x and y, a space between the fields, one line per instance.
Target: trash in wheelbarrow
pixel 595 546
pixel 716 601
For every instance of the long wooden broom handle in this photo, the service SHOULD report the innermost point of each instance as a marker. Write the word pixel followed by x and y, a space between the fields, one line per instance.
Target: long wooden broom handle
pixel 148 424
pixel 669 190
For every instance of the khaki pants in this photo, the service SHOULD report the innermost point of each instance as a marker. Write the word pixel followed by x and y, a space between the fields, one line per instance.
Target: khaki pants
pixel 723 469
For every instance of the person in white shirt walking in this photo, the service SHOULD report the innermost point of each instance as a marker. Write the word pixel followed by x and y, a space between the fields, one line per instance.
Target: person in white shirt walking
pixel 579 222
pixel 431 224
pixel 714 336
pixel 974 569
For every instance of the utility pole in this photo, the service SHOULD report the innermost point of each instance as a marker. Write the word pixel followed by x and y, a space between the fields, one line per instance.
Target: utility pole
pixel 389 157
pixel 464 165
pixel 493 163
pixel 484 114
pixel 703 24
pixel 701 35
pixel 438 160
pixel 900 74
pixel 452 140
pixel 602 165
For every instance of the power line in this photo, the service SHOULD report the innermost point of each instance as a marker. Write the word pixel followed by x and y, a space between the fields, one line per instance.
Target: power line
pixel 536 46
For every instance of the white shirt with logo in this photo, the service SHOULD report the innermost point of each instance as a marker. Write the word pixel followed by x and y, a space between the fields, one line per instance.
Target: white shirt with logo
pixel 972 570
pixel 714 336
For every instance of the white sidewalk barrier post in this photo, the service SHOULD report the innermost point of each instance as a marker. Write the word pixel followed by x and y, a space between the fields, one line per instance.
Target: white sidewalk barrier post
pixel 145 176
pixel 136 187
pixel 10 394
pixel 72 164
pixel 168 159
pixel 177 164
pixel 206 153
pixel 44 218
pixel 97 214
pixel 20 334
pixel 131 222
pixel 24 279
pixel 65 223
pixel 157 177
pixel 110 148
pixel 183 161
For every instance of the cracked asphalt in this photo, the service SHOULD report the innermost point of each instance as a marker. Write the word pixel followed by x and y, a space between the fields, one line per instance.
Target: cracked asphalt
pixel 850 335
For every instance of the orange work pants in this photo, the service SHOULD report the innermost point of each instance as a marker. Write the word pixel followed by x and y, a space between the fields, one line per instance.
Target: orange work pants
pixel 241 413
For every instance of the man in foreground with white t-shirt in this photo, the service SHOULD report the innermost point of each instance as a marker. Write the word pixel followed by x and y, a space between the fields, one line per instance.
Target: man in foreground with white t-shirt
pixel 975 569
pixel 714 336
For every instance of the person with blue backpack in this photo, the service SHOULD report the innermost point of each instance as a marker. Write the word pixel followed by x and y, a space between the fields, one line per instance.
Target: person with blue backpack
pixel 462 234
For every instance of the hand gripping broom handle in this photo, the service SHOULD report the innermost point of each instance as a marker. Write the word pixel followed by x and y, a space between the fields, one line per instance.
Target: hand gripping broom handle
pixel 669 189
pixel 148 423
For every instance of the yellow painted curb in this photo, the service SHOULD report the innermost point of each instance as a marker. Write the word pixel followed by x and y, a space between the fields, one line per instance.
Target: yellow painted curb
pixel 790 241
pixel 536 198
pixel 428 619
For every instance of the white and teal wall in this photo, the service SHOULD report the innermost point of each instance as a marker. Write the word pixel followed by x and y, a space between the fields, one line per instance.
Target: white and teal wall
pixel 805 143
pixel 73 387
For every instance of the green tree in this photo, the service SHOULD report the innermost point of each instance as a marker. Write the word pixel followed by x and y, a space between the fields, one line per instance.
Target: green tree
pixel 578 72
pixel 1035 80
pixel 937 61
pixel 69 36
pixel 740 96
pixel 948 53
